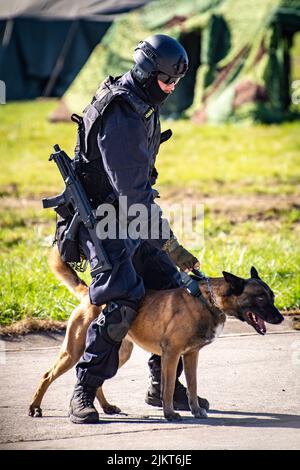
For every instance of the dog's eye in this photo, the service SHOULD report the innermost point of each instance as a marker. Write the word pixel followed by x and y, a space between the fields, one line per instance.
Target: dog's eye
pixel 260 298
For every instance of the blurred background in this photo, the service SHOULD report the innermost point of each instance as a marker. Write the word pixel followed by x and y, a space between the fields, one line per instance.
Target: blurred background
pixel 235 121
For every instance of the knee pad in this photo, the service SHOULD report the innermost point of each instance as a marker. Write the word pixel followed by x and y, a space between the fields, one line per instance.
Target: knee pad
pixel 115 321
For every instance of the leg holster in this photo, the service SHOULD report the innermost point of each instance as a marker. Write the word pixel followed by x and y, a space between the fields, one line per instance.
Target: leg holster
pixel 114 321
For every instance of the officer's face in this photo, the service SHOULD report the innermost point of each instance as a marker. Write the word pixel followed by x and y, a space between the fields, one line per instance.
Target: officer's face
pixel 167 88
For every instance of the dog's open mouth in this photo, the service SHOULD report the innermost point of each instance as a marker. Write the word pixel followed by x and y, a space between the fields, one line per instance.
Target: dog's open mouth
pixel 257 323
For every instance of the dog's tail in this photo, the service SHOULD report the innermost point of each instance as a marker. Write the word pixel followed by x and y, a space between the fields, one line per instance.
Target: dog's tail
pixel 66 274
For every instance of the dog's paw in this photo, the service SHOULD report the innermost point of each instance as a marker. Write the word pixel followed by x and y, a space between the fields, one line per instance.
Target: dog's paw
pixel 173 416
pixel 35 412
pixel 111 409
pixel 200 413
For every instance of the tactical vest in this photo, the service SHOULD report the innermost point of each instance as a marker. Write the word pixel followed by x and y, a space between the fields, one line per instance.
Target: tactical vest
pixel 87 153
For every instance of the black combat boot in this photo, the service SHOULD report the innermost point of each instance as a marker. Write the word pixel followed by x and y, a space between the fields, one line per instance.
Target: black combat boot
pixel 82 410
pixel 180 399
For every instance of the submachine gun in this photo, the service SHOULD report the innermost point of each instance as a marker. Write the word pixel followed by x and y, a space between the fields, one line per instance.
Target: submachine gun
pixel 74 197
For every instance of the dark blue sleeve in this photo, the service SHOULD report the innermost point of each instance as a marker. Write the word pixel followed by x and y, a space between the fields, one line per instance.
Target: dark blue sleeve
pixel 123 142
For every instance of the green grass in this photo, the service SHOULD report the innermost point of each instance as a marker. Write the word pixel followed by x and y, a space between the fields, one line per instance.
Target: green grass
pixel 27 288
pixel 223 163
pixel 232 159
pixel 210 160
pixel 273 248
pixel 27 139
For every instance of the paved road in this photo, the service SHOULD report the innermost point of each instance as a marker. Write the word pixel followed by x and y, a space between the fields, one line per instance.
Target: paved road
pixel 252 383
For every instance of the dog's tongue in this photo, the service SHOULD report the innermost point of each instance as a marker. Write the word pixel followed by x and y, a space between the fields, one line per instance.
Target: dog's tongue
pixel 261 325
pixel 257 323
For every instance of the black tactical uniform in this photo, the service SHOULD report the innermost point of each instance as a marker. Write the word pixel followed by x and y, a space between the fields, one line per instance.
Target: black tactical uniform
pixel 118 144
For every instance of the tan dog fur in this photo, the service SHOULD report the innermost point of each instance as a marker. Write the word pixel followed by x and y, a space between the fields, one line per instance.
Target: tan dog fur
pixel 170 323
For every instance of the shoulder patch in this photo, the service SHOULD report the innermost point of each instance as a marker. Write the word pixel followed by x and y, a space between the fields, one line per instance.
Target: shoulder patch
pixel 149 112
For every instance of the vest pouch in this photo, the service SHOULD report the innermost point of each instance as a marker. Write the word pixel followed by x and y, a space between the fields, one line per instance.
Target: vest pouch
pixel 95 182
pixel 68 249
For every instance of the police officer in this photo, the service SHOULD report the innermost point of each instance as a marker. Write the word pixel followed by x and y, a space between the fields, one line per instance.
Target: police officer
pixel 118 142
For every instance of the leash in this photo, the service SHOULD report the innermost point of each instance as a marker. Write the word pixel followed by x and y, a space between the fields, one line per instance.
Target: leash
pixel 191 283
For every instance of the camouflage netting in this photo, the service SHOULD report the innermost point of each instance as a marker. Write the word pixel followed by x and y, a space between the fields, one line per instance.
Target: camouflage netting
pixel 239 57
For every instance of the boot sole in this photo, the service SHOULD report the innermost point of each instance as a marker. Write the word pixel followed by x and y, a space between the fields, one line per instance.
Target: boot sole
pixel 87 420
pixel 152 401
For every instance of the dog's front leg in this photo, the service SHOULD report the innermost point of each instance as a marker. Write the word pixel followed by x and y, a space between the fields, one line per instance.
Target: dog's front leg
pixel 169 362
pixel 190 362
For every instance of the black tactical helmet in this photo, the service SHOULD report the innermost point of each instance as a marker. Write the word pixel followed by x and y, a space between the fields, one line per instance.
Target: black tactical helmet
pixel 160 55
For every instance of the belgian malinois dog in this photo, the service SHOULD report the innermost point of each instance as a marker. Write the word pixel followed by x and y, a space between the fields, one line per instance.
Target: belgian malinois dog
pixel 170 323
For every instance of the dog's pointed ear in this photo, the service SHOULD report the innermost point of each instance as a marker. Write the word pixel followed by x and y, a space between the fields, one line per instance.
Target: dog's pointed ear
pixel 254 273
pixel 236 283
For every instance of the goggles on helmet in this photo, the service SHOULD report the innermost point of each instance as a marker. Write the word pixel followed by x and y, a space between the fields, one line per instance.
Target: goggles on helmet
pixel 163 77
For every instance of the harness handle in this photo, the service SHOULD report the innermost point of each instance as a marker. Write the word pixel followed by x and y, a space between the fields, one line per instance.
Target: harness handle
pixel 77 119
pixel 199 274
pixel 79 148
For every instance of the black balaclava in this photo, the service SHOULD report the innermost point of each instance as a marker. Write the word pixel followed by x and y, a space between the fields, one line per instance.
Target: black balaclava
pixel 155 95
pixel 153 91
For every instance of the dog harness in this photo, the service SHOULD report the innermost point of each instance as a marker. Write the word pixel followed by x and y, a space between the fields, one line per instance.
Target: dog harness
pixel 191 283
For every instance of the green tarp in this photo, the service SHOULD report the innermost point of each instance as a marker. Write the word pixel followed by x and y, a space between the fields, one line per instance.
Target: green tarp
pixel 44 44
pixel 239 53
